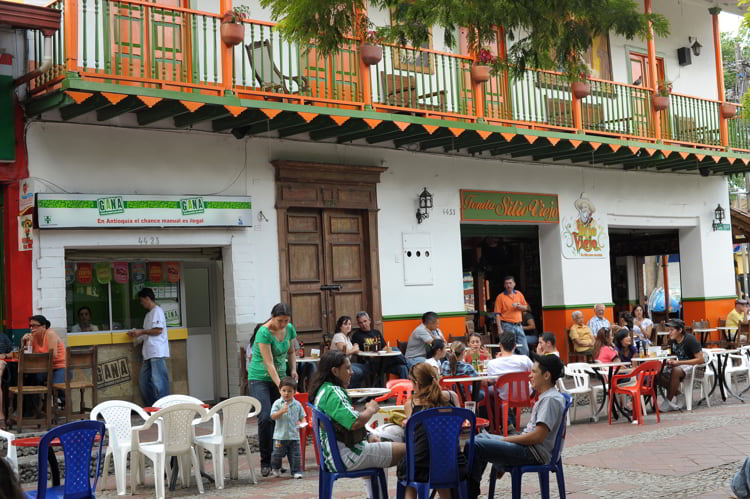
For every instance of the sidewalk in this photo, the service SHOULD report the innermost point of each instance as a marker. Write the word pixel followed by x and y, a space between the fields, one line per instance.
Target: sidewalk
pixel 686 455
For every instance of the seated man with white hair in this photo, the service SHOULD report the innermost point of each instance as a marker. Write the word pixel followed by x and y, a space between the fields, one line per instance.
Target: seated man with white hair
pixel 598 321
pixel 581 335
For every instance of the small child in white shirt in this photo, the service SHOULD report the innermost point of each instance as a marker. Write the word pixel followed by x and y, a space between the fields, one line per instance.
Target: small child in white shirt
pixel 287 412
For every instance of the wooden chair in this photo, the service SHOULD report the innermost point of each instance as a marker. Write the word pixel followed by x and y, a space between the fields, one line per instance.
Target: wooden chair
pixel 401 90
pixel 574 356
pixel 32 363
pixel 266 72
pixel 77 361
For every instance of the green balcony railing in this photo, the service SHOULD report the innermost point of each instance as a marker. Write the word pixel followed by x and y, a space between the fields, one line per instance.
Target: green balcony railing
pixel 694 120
pixel 617 109
pixel 739 129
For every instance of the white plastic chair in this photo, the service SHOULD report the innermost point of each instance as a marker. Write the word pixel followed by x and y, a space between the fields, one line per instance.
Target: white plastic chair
pixel 701 375
pixel 231 435
pixel 12 453
pixel 579 372
pixel 117 418
pixel 176 440
pixel 737 365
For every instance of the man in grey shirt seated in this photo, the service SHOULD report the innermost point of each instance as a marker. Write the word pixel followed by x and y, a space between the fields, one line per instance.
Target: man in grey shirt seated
pixel 421 338
pixel 534 445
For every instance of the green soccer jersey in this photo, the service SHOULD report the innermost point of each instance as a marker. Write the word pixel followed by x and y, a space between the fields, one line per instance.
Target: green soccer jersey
pixel 336 404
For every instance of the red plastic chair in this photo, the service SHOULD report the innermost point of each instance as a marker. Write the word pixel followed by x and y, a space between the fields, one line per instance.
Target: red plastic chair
pixel 518 395
pixel 400 388
pixel 464 391
pixel 645 375
pixel 302 398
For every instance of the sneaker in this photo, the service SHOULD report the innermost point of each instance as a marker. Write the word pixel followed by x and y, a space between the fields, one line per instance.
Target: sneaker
pixel 298 475
pixel 276 473
pixel 282 470
pixel 265 470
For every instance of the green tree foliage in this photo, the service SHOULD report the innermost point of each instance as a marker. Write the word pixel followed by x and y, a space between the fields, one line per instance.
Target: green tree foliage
pixel 546 34
pixel 729 50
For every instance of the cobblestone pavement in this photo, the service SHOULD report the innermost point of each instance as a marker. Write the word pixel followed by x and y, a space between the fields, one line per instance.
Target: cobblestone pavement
pixel 686 455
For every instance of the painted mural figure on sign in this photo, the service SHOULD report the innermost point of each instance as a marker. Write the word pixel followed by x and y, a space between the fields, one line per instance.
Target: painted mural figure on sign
pixel 586 210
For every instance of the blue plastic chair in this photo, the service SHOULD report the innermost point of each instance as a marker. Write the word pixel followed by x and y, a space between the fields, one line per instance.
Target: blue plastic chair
pixel 555 466
pixel 327 478
pixel 77 440
pixel 443 427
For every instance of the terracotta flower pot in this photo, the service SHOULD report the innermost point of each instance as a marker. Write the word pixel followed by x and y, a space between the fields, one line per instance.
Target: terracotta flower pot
pixel 480 73
pixel 371 54
pixel 728 111
pixel 581 89
pixel 232 33
pixel 660 102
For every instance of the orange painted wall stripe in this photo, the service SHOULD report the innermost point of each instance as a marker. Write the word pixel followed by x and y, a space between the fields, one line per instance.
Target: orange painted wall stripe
pixel 400 330
pixel 558 320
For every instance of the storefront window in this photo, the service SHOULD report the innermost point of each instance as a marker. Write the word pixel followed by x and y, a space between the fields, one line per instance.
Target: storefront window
pixel 103 295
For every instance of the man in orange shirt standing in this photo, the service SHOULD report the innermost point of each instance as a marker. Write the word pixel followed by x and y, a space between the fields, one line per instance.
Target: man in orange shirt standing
pixel 509 307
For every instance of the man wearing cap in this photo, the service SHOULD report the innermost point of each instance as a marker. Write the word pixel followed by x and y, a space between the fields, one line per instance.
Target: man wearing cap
pixel 534 445
pixel 738 315
pixel 689 354
pixel 509 307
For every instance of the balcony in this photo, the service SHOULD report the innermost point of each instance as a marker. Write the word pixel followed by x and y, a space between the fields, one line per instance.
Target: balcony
pixel 113 57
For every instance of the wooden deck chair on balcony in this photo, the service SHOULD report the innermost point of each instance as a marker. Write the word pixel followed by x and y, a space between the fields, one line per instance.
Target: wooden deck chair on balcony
pixel 265 70
pixel 401 91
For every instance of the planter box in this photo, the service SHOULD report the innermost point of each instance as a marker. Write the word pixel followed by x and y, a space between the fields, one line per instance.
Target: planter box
pixel 480 73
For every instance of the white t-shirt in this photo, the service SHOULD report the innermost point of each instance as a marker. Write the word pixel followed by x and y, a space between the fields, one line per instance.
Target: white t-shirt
pixel 434 363
pixel 637 330
pixel 507 365
pixel 342 338
pixel 155 346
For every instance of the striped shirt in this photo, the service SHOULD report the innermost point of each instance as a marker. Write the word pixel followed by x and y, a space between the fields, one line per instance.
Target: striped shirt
pixel 336 404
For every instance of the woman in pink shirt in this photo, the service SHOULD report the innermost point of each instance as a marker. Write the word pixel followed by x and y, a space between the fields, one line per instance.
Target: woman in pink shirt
pixel 604 351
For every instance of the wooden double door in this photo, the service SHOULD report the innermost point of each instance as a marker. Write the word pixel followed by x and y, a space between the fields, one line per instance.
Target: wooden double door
pixel 326 269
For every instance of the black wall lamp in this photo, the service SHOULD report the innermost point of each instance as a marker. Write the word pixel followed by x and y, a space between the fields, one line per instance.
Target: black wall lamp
pixel 695 46
pixel 425 203
pixel 718 217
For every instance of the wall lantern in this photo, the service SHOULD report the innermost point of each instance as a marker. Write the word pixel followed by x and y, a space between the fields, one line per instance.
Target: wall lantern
pixel 695 46
pixel 718 217
pixel 425 203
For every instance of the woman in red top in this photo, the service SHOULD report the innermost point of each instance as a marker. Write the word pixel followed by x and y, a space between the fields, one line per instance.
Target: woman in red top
pixel 43 340
pixel 476 348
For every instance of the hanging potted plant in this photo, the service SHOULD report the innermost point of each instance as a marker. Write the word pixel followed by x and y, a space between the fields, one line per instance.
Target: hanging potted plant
pixel 660 100
pixel 480 70
pixel 581 88
pixel 728 111
pixel 232 27
pixel 370 49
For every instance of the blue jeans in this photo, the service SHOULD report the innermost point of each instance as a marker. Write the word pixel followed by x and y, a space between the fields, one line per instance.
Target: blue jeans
pixel 495 450
pixel 414 361
pixel 741 482
pixel 521 346
pixel 154 380
pixel 288 448
pixel 266 392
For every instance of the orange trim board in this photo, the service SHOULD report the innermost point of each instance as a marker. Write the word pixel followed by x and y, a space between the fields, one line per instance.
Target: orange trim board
pixel 149 101
pixel 710 310
pixel 113 98
pixel 78 97
pixel 400 330
pixel 558 320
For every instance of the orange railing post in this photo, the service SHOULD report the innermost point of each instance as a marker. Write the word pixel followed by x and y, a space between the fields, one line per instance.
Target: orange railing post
pixel 652 73
pixel 364 69
pixel 71 35
pixel 227 53
pixel 723 125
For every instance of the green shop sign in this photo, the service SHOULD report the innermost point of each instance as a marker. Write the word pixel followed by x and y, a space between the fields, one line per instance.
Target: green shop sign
pixel 493 206
pixel 67 211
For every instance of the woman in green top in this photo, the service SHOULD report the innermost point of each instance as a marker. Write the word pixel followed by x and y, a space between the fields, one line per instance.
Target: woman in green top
pixel 272 348
pixel 328 391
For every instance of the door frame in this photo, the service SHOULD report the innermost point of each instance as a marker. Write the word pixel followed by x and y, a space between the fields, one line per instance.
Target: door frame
pixel 301 184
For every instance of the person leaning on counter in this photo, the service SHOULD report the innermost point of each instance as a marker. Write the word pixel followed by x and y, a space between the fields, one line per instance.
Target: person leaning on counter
pixel 154 377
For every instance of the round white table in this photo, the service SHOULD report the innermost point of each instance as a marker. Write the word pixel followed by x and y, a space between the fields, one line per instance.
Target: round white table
pixel 367 392
pixel 308 359
pixel 380 353
pixel 704 333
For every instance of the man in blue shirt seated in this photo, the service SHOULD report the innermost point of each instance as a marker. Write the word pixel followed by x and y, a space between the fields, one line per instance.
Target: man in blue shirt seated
pixel 534 445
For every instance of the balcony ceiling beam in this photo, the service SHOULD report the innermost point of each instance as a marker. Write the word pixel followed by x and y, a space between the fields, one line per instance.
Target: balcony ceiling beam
pixel 97 101
pixel 280 121
pixel 228 122
pixel 494 144
pixel 529 149
pixel 382 128
pixel 161 111
pixel 127 105
pixel 204 113
pixel 441 134
pixel 410 131
pixel 351 126
pixel 552 151
pixel 446 141
pixel 317 123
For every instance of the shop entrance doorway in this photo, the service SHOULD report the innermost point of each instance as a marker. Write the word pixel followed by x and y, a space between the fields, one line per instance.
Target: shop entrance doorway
pixel 206 348
pixel 491 252
pixel 637 258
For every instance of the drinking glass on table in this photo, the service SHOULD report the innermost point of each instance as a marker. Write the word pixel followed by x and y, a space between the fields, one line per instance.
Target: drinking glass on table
pixel 472 406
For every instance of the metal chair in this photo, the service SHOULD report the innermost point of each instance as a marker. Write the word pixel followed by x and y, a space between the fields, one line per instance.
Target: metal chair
pixel 77 440
pixel 327 478
pixel 442 426
pixel 554 466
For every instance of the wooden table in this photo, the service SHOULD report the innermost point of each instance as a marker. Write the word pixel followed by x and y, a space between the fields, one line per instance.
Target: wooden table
pixel 704 333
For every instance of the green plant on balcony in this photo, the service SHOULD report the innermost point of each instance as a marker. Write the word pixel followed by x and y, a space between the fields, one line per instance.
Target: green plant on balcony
pixel 543 34
pixel 480 70
pixel 232 27
pixel 660 99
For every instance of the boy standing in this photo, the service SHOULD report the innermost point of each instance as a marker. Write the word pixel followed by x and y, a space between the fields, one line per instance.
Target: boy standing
pixel 287 412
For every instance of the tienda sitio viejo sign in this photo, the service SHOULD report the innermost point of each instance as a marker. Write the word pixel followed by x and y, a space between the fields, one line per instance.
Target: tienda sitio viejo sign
pixel 494 206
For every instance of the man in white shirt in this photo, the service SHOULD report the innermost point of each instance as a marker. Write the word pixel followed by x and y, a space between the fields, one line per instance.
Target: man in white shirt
pixel 598 321
pixel 508 362
pixel 154 377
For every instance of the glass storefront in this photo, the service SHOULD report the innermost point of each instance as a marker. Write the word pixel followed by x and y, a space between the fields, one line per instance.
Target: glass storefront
pixel 102 295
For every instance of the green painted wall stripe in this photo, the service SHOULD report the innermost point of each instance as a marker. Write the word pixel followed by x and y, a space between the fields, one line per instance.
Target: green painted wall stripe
pixel 145 204
pixel 710 298
pixel 419 316
pixel 569 307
